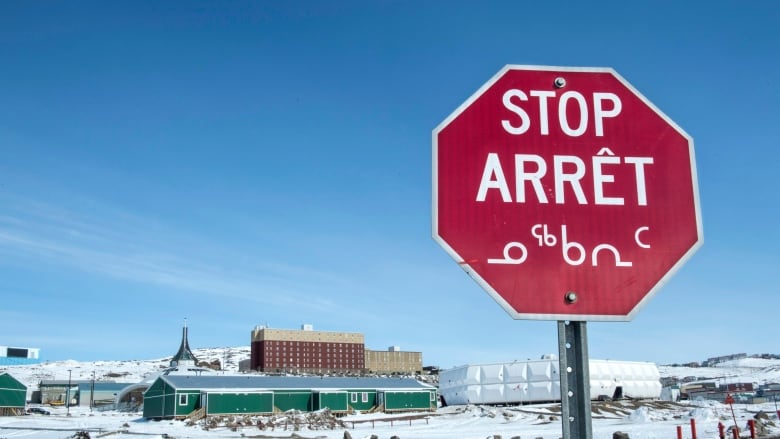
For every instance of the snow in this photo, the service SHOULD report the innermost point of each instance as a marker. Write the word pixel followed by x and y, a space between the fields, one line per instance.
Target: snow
pixel 641 420
pixel 757 370
pixel 703 414
pixel 449 422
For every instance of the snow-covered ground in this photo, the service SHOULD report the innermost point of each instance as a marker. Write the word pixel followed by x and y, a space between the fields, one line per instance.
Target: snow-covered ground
pixel 641 420
pixel 654 421
pixel 750 370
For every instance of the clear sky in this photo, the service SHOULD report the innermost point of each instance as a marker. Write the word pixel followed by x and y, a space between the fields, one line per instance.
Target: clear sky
pixel 245 163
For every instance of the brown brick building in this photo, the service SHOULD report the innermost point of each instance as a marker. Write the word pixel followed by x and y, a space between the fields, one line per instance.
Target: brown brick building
pixel 306 351
pixel 393 360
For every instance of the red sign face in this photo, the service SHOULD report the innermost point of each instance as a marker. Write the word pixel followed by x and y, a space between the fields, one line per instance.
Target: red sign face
pixel 565 193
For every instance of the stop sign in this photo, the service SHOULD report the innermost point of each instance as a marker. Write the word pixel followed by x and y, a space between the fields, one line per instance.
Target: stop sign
pixel 565 193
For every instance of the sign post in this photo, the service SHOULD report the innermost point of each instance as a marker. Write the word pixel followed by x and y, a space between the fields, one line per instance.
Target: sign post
pixel 575 380
pixel 568 196
pixel 730 401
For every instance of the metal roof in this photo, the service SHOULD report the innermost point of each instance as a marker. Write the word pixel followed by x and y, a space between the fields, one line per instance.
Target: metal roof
pixel 104 386
pixel 258 382
pixel 62 383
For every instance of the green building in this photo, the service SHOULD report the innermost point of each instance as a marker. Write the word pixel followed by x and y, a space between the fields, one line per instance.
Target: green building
pixel 177 396
pixel 13 395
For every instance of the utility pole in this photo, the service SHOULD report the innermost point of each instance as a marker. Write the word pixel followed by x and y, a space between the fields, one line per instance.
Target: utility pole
pixel 67 395
pixel 92 392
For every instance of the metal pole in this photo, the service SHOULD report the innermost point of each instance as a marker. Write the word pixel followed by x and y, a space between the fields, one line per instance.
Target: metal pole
pixel 575 380
pixel 92 392
pixel 736 426
pixel 67 395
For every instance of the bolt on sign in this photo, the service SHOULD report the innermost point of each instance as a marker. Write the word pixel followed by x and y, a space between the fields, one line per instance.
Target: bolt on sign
pixel 565 193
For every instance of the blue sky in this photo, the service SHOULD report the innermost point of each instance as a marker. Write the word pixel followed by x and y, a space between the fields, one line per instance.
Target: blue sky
pixel 251 163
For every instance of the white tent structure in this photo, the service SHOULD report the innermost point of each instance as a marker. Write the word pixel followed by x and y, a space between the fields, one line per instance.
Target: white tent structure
pixel 522 382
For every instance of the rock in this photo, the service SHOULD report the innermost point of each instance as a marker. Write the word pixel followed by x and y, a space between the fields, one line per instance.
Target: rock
pixel 620 435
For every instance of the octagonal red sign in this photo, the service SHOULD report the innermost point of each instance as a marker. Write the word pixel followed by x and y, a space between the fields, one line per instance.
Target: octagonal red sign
pixel 565 193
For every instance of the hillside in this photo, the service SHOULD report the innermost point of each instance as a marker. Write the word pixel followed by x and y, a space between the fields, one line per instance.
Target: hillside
pixel 129 371
pixel 754 370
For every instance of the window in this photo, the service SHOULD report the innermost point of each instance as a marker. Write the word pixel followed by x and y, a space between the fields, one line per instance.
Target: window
pixel 433 396
pixel 365 397
pixel 16 353
pixel 183 399
pixel 353 397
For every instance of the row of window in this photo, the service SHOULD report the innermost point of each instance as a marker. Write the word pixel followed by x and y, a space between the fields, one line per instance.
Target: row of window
pixel 353 397
pixel 318 359
pixel 317 345
pixel 309 343
pixel 268 350
pixel 319 365
pixel 306 358
pixel 314 355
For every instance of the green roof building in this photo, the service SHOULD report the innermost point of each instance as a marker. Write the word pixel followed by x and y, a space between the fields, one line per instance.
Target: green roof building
pixel 13 395
pixel 177 396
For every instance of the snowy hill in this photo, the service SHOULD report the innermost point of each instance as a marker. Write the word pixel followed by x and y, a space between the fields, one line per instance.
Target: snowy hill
pixel 750 370
pixel 130 371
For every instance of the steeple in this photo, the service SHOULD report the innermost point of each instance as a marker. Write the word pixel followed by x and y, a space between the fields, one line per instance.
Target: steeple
pixel 184 357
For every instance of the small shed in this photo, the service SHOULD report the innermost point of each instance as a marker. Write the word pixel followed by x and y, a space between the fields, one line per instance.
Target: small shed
pixel 56 392
pixel 98 393
pixel 178 396
pixel 13 395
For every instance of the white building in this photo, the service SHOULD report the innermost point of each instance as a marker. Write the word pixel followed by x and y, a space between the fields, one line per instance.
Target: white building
pixel 11 356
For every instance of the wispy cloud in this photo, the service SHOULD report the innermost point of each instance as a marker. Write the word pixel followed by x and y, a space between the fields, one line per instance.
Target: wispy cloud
pixel 113 243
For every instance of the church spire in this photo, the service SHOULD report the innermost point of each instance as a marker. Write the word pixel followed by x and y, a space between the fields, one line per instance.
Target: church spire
pixel 184 357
